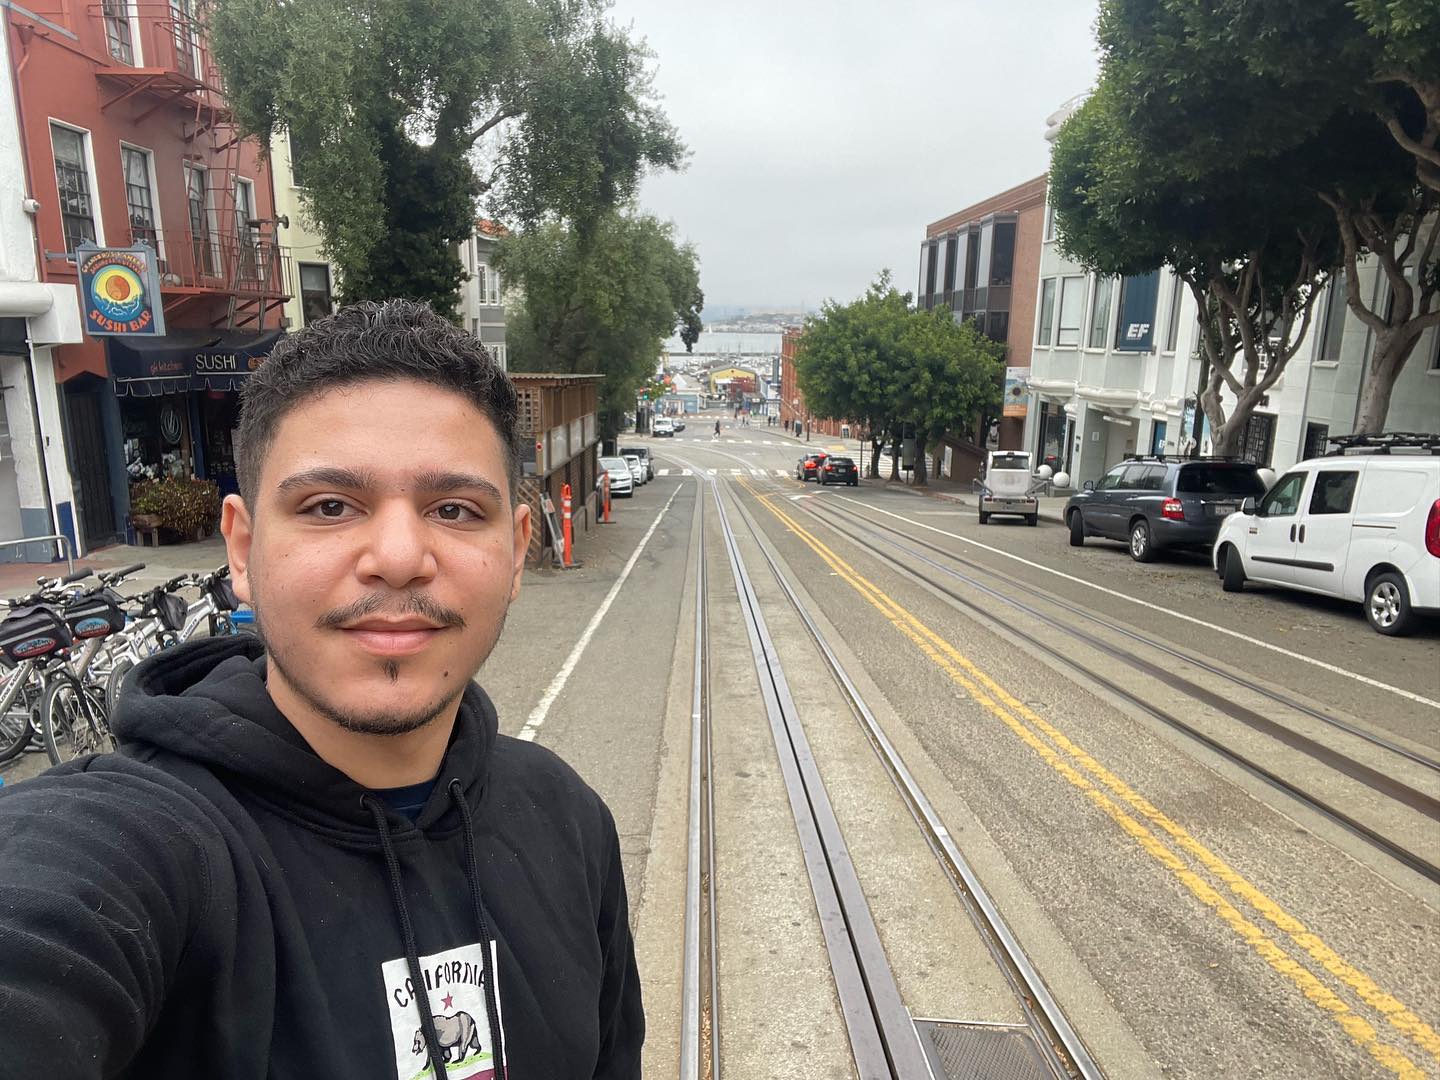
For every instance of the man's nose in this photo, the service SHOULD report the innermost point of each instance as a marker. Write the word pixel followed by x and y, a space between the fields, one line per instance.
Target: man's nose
pixel 399 547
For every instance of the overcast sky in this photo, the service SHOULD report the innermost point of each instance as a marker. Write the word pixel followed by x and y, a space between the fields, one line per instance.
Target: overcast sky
pixel 825 135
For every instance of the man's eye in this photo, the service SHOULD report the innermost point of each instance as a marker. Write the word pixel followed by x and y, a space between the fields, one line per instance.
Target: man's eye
pixel 456 512
pixel 328 508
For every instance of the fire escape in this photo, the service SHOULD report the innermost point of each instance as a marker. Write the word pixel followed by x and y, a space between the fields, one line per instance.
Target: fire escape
pixel 224 251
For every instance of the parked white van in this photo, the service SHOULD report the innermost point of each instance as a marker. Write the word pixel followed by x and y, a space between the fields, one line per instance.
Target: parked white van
pixel 1358 527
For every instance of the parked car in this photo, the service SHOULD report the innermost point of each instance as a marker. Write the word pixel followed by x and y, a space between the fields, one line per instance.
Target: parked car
pixel 1009 487
pixel 637 470
pixel 622 481
pixel 679 424
pixel 808 467
pixel 643 453
pixel 838 470
pixel 1155 503
pixel 663 426
pixel 1361 528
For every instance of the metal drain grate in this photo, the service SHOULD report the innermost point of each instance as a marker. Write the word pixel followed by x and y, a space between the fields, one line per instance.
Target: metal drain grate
pixel 959 1051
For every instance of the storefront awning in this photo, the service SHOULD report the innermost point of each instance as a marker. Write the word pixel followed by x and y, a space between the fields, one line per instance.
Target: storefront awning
pixel 185 360
pixel 226 364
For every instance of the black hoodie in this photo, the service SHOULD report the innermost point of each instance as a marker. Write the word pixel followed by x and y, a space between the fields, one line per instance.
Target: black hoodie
pixel 216 901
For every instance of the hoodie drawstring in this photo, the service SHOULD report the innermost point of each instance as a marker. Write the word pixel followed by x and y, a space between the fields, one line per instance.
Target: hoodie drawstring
pixel 407 932
pixel 472 873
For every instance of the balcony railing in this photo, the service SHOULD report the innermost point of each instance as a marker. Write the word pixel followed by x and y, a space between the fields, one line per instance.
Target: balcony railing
pixel 173 61
pixel 222 263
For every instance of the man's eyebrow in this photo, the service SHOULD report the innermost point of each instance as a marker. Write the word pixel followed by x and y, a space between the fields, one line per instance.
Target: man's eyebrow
pixel 327 476
pixel 440 482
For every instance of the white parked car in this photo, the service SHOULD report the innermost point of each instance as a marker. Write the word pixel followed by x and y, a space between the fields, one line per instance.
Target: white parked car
pixel 1357 527
pixel 637 468
pixel 1009 487
pixel 622 480
pixel 663 425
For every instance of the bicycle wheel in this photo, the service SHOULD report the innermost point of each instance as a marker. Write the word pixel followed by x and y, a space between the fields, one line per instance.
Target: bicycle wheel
pixel 17 727
pixel 72 721
pixel 122 667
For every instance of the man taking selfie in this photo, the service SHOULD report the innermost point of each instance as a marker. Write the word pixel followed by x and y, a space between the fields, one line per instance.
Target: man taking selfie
pixel 318 857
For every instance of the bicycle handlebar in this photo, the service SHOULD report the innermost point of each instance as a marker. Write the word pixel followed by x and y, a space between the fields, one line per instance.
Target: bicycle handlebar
pixel 109 577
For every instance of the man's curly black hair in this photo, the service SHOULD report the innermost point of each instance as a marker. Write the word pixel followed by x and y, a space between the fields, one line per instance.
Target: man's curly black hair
pixel 388 340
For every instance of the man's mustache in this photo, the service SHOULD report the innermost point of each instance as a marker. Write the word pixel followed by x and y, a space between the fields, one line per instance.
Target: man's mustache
pixel 376 604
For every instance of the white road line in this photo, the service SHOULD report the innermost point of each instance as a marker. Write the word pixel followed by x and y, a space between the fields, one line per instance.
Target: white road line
pixel 781 472
pixel 737 472
pixel 685 472
pixel 1332 668
pixel 537 717
pixel 710 471
pixel 662 472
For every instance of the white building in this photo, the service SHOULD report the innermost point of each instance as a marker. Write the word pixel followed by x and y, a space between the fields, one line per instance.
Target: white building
pixel 1115 367
pixel 482 298
pixel 37 495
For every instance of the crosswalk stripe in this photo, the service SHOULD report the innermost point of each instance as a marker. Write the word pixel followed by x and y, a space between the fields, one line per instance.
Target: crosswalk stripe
pixel 686 472
pixel 662 472
pixel 781 472
pixel 737 472
pixel 757 472
pixel 710 471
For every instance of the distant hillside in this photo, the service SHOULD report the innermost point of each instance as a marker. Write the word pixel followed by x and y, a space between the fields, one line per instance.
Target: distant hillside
pixel 756 322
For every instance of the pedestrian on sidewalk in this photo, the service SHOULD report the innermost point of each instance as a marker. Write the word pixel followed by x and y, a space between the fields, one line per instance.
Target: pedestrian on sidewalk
pixel 318 856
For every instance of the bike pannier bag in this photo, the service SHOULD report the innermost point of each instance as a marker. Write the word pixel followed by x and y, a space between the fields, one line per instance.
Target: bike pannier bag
pixel 31 633
pixel 171 608
pixel 95 616
pixel 224 594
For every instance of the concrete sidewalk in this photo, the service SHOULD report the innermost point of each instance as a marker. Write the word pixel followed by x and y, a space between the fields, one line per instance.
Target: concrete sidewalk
pixel 161 564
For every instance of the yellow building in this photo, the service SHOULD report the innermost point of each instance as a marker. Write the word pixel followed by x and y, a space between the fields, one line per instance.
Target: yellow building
pixel 312 277
pixel 720 376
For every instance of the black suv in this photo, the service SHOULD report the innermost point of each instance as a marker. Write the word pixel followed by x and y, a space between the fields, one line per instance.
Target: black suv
pixel 1154 503
pixel 838 470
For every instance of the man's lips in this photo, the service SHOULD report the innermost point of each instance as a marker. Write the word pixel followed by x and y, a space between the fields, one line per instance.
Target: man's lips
pixel 400 638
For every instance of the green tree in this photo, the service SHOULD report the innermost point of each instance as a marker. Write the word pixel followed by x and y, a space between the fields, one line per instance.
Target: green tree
pixel 1349 89
pixel 401 113
pixel 848 361
pixel 1253 252
pixel 878 362
pixel 954 374
pixel 602 303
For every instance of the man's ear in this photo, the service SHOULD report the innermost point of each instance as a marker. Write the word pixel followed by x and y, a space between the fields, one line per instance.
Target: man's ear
pixel 523 525
pixel 238 529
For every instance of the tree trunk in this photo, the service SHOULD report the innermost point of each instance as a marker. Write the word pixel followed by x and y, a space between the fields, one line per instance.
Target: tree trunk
pixel 895 458
pixel 876 445
pixel 1392 350
pixel 921 480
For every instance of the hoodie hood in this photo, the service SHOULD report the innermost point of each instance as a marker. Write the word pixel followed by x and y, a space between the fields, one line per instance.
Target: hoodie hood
pixel 205 701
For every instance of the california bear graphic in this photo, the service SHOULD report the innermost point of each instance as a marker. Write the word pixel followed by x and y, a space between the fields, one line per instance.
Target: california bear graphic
pixel 456 1033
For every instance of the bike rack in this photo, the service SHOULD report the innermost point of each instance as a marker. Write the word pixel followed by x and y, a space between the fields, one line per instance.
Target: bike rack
pixel 62 541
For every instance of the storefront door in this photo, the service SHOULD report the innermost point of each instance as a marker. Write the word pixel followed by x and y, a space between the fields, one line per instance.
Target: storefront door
pixel 90 464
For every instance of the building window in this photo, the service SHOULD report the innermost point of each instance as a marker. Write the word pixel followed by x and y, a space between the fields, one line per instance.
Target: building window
pixel 1002 262
pixel 247 236
pixel 1435 353
pixel 187 42
pixel 1047 312
pixel 139 196
pixel 1100 312
pixel 72 178
pixel 475 327
pixel 1259 440
pixel 1049 222
pixel 1172 328
pixel 952 246
pixel 1317 437
pixel 198 201
pixel 1335 308
pixel 118 31
pixel 482 279
pixel 315 298
pixel 495 297
pixel 1072 312
pixel 972 258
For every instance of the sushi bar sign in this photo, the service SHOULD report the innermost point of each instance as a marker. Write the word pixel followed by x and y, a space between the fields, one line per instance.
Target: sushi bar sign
pixel 119 289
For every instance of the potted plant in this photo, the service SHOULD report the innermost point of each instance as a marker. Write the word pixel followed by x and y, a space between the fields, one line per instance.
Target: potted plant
pixel 182 505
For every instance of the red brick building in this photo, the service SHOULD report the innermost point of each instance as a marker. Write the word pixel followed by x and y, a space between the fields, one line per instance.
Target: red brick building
pixel 792 400
pixel 127 139
pixel 983 262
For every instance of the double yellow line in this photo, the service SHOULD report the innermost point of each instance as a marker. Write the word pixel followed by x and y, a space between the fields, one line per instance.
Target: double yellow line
pixel 1157 834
